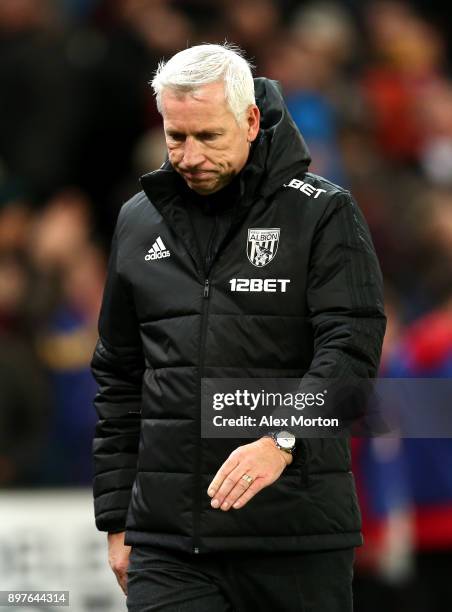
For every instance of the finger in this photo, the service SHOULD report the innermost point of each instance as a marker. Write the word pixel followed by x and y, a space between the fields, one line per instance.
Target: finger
pixel 122 580
pixel 254 488
pixel 236 492
pixel 228 466
pixel 229 483
pixel 124 585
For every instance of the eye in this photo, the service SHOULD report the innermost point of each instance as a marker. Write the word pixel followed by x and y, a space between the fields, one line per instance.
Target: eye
pixel 209 136
pixel 176 136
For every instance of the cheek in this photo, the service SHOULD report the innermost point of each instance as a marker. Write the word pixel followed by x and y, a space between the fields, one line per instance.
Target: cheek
pixel 174 155
pixel 225 159
pixel 235 156
pixel 233 160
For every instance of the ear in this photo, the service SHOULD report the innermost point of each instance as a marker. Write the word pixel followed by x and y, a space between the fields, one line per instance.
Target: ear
pixel 253 122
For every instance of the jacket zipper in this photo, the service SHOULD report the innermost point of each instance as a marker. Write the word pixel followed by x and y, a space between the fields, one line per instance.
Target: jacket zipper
pixel 197 484
pixel 204 320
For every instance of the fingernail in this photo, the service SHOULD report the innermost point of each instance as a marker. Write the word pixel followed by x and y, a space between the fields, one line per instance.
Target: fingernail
pixel 215 503
pixel 225 506
pixel 236 505
pixel 211 492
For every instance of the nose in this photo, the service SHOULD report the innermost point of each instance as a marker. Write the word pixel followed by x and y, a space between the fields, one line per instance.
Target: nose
pixel 193 156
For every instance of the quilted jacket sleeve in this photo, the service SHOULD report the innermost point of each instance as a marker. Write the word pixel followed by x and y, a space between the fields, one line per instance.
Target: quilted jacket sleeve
pixel 118 367
pixel 345 295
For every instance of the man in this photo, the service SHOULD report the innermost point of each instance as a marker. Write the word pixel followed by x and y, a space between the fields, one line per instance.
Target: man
pixel 214 524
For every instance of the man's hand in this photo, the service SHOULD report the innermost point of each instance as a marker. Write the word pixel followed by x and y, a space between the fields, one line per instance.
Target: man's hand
pixel 118 558
pixel 261 461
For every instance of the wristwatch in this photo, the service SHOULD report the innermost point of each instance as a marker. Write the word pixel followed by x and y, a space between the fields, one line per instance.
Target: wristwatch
pixel 285 440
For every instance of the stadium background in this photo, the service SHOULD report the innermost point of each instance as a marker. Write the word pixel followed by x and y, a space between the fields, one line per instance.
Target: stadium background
pixel 369 85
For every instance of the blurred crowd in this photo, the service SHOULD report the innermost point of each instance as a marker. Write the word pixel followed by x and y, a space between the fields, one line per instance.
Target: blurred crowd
pixel 369 85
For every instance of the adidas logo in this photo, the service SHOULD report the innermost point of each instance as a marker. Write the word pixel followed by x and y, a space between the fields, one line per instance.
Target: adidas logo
pixel 157 251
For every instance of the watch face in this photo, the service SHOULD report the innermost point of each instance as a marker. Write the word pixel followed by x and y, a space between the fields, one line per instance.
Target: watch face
pixel 285 439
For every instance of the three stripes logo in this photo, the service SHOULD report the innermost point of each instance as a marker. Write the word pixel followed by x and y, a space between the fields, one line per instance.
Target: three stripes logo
pixel 157 251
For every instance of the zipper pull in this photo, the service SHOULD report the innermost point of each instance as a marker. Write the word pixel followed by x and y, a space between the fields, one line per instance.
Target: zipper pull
pixel 206 288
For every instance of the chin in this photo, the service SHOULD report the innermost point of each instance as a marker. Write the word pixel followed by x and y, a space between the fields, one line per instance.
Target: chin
pixel 204 189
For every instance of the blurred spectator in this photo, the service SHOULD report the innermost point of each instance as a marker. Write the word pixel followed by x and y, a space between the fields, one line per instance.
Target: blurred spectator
pixel 425 351
pixel 116 55
pixel 161 27
pixel 409 57
pixel 23 406
pixel 384 565
pixel 250 22
pixel 39 121
pixel 63 252
pixel 309 62
pixel 435 114
pixel 407 482
pixel 15 219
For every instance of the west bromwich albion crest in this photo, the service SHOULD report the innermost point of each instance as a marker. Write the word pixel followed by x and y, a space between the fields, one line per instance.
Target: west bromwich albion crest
pixel 262 245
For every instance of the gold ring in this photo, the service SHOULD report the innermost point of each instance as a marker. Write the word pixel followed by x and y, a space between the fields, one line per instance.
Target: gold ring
pixel 249 479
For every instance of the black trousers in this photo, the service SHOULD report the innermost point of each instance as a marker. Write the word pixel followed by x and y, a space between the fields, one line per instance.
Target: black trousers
pixel 239 582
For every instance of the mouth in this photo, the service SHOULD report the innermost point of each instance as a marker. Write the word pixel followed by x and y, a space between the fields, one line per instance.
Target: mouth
pixel 197 176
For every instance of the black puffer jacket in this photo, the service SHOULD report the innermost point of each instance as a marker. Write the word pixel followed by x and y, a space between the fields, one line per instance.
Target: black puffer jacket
pixel 166 322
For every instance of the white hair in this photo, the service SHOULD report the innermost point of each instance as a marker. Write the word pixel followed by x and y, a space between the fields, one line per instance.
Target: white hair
pixel 197 66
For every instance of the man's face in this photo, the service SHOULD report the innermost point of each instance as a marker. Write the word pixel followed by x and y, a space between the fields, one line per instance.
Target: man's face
pixel 206 145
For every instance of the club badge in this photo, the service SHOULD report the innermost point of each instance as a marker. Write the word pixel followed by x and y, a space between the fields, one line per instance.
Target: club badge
pixel 262 245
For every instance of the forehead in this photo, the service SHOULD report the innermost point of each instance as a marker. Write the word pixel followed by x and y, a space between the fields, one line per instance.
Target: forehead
pixel 204 105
